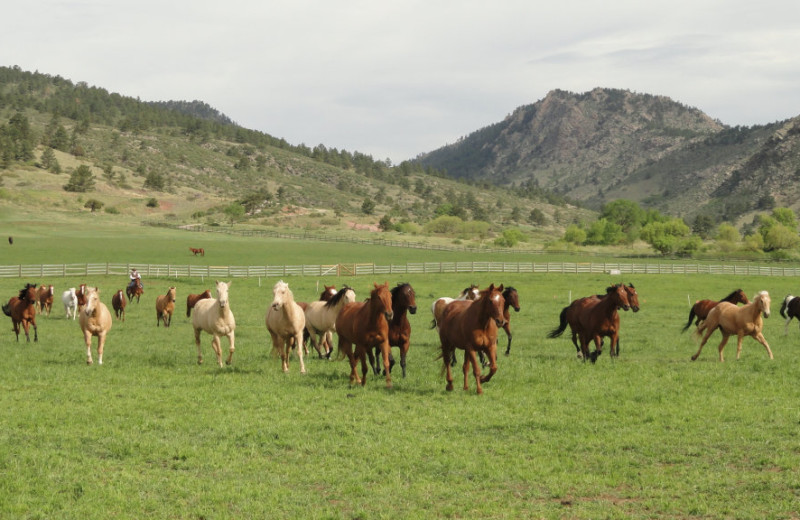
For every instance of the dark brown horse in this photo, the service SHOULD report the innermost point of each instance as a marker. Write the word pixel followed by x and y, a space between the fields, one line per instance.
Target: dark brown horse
pixel 199 251
pixel 192 299
pixel 22 310
pixel 118 302
pixel 404 300
pixel 472 326
pixel 134 288
pixel 366 325
pixel 593 318
pixel 701 308
pixel 512 301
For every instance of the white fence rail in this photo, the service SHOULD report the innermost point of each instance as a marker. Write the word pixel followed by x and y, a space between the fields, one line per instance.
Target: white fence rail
pixel 364 269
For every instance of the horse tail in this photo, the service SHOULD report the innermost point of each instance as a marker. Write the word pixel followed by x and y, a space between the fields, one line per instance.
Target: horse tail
pixel 562 325
pixel 433 324
pixel 689 323
pixel 7 309
pixel 783 309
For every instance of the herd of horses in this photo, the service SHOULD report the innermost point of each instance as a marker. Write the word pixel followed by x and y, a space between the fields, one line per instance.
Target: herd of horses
pixel 368 329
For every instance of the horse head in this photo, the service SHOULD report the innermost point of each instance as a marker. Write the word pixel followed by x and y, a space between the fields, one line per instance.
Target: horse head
pixel 763 302
pixel 222 293
pixel 92 295
pixel 619 296
pixel 328 293
pixel 512 298
pixel 494 303
pixel 633 297
pixel 28 293
pixel 381 297
pixel 470 293
pixel 280 295
pixel 404 297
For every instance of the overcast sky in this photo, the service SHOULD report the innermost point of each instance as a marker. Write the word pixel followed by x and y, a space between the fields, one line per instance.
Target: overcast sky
pixel 397 78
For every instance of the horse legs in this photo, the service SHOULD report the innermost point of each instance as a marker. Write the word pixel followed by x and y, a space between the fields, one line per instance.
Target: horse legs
pixel 708 332
pixel 347 347
pixel 215 344
pixel 471 358
pixel 197 342
pixel 507 328
pixel 231 348
pixel 386 350
pixel 35 331
pixel 101 343
pixel 447 355
pixel 87 338
pixel 362 357
pixel 761 339
pixel 282 346
pixel 492 355
pixel 403 351
pixel 298 339
pixel 725 338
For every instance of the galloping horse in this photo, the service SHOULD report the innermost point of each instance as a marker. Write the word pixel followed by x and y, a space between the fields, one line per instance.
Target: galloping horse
pixel 95 321
pixel 70 300
pixel 134 288
pixel 44 299
pixel 200 251
pixel 437 308
pixel 192 300
pixel 742 321
pixel 165 306
pixel 118 303
pixel 593 318
pixel 790 308
pixel 366 324
pixel 321 318
pixel 472 326
pixel 214 316
pixel 403 300
pixel 701 308
pixel 286 322
pixel 22 310
pixel 326 295
pixel 81 294
pixel 511 298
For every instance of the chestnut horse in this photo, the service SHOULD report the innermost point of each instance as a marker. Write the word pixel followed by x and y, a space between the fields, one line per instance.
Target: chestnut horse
pixel 44 299
pixel 192 300
pixel 214 316
pixel 118 303
pixel 199 251
pixel 165 306
pixel 286 322
pixel 134 288
pixel 81 294
pixel 472 326
pixel 366 325
pixel 437 308
pixel 742 321
pixel 593 318
pixel 403 301
pixel 95 320
pixel 701 308
pixel 790 308
pixel 22 310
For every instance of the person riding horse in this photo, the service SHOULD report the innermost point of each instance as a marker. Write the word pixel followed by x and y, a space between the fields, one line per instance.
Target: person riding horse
pixel 136 278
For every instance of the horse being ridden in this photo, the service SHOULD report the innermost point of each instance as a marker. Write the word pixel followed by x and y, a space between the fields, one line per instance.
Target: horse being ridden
pixel 192 300
pixel 95 320
pixel 701 308
pixel 286 322
pixel 790 308
pixel 22 311
pixel 742 321
pixel 472 326
pixel 135 287
pixel 403 301
pixel 118 303
pixel 165 306
pixel 214 316
pixel 366 325
pixel 321 319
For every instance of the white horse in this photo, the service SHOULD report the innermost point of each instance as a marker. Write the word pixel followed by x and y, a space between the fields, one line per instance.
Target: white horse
pixel 95 321
pixel 437 308
pixel 70 301
pixel 214 316
pixel 286 321
pixel 321 319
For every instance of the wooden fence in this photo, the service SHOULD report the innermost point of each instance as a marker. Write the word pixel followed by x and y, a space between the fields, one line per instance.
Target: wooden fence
pixel 369 269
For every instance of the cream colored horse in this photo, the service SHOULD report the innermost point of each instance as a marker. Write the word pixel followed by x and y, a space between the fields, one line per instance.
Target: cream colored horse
pixel 214 316
pixel 742 321
pixel 285 322
pixel 321 319
pixel 95 320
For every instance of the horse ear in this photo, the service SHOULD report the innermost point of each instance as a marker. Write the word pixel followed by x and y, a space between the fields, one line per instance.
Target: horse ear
pixel 491 287
pixel 500 288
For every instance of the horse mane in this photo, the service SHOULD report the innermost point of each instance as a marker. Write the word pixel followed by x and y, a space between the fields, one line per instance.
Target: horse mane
pixel 22 292
pixel 508 290
pixel 338 296
pixel 731 296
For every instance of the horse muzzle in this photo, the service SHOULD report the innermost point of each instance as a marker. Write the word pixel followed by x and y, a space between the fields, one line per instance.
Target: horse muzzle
pixel 766 314
pixel 635 308
pixel 389 315
pixel 516 309
pixel 276 306
pixel 412 310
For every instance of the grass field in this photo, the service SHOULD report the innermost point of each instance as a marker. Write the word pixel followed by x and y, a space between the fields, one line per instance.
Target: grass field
pixel 152 434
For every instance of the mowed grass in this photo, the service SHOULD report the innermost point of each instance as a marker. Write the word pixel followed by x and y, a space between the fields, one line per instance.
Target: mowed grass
pixel 650 434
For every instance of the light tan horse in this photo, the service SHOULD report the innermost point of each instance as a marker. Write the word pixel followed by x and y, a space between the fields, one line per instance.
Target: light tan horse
pixel 165 306
pixel 321 318
pixel 742 321
pixel 95 320
pixel 214 316
pixel 286 321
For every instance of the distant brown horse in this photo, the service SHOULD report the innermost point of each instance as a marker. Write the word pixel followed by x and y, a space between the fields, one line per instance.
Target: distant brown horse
pixel 366 325
pixel 81 294
pixel 45 299
pixel 192 299
pixel 742 321
pixel 472 326
pixel 701 308
pixel 511 298
pixel 403 301
pixel 165 306
pixel 199 251
pixel 135 288
pixel 118 302
pixel 593 318
pixel 22 311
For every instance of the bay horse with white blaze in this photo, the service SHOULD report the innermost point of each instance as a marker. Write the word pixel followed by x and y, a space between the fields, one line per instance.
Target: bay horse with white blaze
pixel 45 299
pixel 742 321
pixel 701 308
pixel 22 311
pixel 95 320
pixel 366 325
pixel 214 316
pixel 192 300
pixel 118 303
pixel 286 322
pixel 404 300
pixel 790 308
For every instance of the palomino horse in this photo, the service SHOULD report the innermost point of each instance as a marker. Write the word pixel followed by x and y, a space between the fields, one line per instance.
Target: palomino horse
pixel 44 299
pixel 790 308
pixel 701 308
pixel 165 306
pixel 286 322
pixel 214 316
pixel 437 307
pixel 118 303
pixel 95 320
pixel 192 300
pixel 366 325
pixel 321 318
pixel 199 251
pixel 403 301
pixel 742 321
pixel 472 326
pixel 70 301
pixel 22 310
pixel 134 288
pixel 593 318
pixel 326 295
